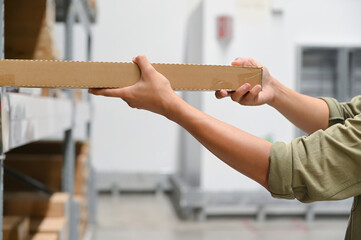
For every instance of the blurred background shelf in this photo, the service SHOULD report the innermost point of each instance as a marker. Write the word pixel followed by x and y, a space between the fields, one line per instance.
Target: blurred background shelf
pixel 26 119
pixel 43 161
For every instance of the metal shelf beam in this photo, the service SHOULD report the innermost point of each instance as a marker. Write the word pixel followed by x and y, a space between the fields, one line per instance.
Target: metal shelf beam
pixel 2 90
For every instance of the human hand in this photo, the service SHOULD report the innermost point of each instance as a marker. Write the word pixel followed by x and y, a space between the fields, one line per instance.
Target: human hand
pixel 152 92
pixel 257 95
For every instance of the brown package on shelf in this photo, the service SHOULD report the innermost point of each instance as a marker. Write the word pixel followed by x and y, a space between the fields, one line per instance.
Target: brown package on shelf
pixel 36 205
pixel 82 202
pixel 53 226
pixel 43 161
pixel 29 29
pixel 44 236
pixel 47 169
pixel 45 148
pixel 40 148
pixel 82 172
pixel 15 228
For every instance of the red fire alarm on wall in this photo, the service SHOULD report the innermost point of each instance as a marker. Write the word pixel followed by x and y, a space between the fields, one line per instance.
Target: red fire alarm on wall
pixel 225 28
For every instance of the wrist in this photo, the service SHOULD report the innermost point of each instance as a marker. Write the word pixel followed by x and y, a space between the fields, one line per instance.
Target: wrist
pixel 278 90
pixel 172 106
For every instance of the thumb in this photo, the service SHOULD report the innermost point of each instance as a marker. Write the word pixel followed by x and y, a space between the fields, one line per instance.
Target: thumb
pixel 109 92
pixel 144 64
pixel 245 62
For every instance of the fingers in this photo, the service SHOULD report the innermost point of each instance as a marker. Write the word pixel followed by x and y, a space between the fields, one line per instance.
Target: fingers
pixel 241 92
pixel 223 93
pixel 250 97
pixel 244 95
pixel 255 91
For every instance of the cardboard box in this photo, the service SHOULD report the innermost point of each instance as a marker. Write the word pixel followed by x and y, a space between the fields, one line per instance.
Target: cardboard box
pixel 82 169
pixel 36 205
pixel 47 148
pixel 46 169
pixel 29 29
pixel 68 74
pixel 44 236
pixel 54 226
pixel 82 173
pixel 15 228
pixel 40 148
pixel 43 161
pixel 83 205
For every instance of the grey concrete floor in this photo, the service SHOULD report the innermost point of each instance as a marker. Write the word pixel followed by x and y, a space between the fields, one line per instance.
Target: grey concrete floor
pixel 148 216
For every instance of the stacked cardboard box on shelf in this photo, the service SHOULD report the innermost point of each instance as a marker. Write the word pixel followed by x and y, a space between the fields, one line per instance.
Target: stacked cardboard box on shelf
pixel 81 182
pixel 45 214
pixel 29 30
pixel 49 227
pixel 41 161
pixel 15 228
pixel 48 215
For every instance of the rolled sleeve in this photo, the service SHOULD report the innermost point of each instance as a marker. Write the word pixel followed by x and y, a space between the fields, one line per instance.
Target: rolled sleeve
pixel 323 166
pixel 339 112
pixel 336 111
pixel 280 175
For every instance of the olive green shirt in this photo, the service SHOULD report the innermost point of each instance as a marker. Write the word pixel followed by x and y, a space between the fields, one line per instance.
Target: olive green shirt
pixel 325 165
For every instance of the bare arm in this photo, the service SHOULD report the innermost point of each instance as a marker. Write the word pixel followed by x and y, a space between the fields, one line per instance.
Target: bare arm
pixel 308 113
pixel 242 151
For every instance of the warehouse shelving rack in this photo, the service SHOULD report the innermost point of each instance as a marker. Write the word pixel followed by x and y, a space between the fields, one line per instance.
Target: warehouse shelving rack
pixel 25 119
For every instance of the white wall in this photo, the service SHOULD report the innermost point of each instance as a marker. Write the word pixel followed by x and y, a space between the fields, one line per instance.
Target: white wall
pixel 130 140
pixel 137 141
pixel 271 40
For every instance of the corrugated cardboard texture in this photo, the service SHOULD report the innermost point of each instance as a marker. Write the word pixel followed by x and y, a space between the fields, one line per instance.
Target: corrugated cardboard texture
pixel 67 74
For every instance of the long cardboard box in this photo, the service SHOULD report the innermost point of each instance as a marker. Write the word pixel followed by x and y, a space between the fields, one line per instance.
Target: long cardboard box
pixel 68 74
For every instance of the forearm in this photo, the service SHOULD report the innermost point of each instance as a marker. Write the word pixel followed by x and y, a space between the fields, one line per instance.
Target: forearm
pixel 308 113
pixel 244 152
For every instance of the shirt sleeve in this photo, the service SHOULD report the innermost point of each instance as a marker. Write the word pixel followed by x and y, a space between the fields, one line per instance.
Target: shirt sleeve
pixel 339 112
pixel 325 165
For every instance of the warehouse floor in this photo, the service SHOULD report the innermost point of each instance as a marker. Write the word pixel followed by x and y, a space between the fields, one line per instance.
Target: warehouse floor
pixel 148 216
